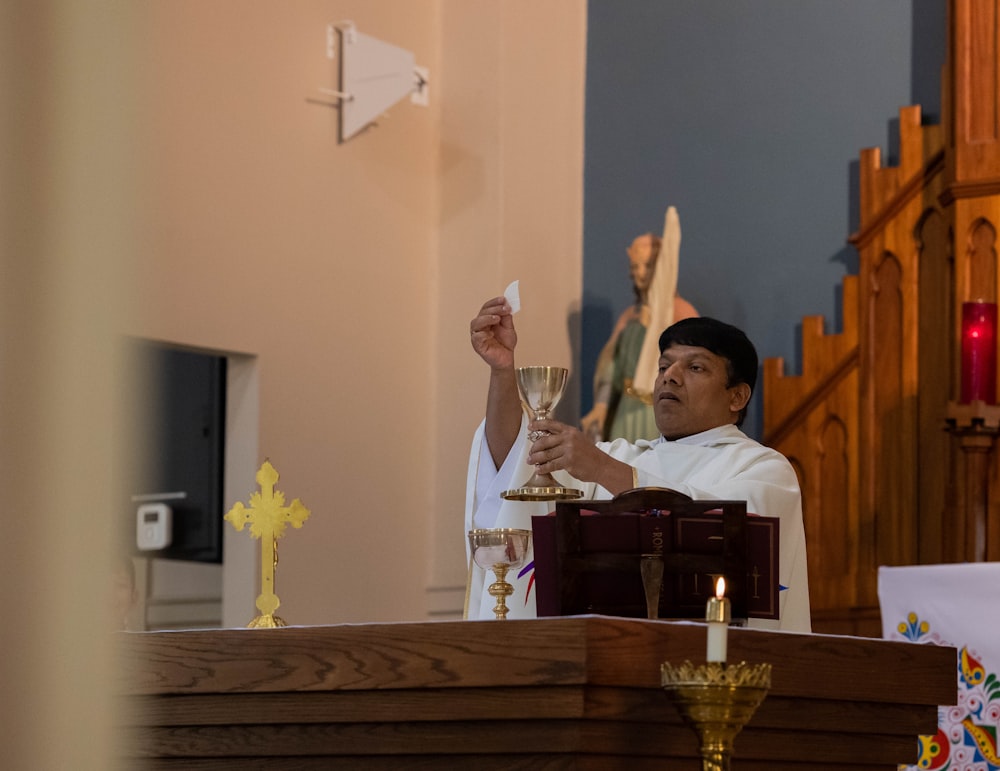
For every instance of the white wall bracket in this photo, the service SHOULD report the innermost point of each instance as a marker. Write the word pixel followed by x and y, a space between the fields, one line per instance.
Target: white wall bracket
pixel 372 76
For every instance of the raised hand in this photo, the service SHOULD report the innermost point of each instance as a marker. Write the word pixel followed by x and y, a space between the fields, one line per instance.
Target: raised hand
pixel 493 335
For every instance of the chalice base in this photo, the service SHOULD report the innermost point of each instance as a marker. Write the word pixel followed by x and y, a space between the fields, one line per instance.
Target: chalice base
pixel 542 487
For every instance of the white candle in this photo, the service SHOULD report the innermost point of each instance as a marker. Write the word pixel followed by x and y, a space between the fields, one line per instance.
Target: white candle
pixel 717 615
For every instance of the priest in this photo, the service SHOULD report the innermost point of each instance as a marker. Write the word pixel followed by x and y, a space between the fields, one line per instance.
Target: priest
pixel 706 374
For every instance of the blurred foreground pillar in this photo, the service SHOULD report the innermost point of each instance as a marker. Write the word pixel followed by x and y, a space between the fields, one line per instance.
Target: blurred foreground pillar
pixel 67 207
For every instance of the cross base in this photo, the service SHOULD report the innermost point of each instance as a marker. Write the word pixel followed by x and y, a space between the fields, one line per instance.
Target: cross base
pixel 266 621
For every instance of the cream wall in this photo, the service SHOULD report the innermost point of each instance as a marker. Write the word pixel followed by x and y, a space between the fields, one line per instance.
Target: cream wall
pixel 348 273
pixel 511 203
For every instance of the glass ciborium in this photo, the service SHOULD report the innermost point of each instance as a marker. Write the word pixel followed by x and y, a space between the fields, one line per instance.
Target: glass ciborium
pixel 499 549
pixel 540 389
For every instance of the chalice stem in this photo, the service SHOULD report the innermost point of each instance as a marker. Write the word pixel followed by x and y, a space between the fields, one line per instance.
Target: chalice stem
pixel 501 590
pixel 714 759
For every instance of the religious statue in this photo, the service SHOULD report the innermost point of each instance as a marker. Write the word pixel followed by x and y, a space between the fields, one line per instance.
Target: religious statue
pixel 627 366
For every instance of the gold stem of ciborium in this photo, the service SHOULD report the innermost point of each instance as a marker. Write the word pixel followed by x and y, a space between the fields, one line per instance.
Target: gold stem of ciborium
pixel 500 590
pixel 716 701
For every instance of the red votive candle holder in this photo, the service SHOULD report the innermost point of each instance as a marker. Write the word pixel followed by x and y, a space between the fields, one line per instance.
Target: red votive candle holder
pixel 979 352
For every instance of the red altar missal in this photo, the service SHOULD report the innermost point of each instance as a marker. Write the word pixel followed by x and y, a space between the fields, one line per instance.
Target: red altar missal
pixel 589 555
pixel 683 594
pixel 577 692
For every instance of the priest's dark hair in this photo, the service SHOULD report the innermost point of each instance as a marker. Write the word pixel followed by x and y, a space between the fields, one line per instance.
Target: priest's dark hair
pixel 722 339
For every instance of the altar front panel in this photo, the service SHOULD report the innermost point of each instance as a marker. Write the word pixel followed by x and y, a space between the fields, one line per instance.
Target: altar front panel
pixel 578 692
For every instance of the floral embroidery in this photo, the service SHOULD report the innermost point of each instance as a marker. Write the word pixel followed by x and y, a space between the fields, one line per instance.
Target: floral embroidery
pixel 967 733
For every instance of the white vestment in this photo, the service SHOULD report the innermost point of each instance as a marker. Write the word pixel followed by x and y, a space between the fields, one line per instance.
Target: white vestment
pixel 719 464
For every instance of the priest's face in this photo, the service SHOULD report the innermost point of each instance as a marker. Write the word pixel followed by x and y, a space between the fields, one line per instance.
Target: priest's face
pixel 692 392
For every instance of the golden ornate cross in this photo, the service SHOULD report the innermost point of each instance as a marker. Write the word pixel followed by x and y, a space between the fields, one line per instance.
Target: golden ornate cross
pixel 268 517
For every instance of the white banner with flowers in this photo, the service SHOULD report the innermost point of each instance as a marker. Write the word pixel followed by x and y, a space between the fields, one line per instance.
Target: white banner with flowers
pixel 957 605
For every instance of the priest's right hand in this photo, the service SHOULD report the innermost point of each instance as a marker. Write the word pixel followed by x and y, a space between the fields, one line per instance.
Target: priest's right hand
pixel 562 447
pixel 493 335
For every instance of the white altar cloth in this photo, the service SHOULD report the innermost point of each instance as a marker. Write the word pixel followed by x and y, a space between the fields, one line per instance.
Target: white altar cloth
pixel 956 605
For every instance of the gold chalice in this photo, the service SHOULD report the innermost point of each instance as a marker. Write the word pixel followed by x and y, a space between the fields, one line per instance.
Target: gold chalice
pixel 540 389
pixel 499 550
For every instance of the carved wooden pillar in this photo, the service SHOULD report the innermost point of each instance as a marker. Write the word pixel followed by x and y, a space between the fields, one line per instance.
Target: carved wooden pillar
pixel 971 201
pixel 971 536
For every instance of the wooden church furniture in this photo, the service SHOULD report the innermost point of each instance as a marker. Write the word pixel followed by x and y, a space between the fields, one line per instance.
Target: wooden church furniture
pixel 894 471
pixel 579 692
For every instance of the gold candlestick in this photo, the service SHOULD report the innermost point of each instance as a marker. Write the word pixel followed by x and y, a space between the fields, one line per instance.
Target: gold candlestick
pixel 267 516
pixel 716 701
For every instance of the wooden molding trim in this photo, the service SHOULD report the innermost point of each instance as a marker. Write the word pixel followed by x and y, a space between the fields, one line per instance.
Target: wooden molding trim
pixel 978 188
pixel 827 383
pixel 912 187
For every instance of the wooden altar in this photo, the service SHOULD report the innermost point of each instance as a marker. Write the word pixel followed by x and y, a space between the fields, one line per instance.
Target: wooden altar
pixel 893 471
pixel 577 692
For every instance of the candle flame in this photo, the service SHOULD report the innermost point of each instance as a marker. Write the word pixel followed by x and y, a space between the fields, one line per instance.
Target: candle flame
pixel 720 587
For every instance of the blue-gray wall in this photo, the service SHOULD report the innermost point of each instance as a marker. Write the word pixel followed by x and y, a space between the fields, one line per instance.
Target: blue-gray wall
pixel 748 116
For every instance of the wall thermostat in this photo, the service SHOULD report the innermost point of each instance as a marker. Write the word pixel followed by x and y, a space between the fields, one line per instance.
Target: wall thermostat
pixel 153 526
